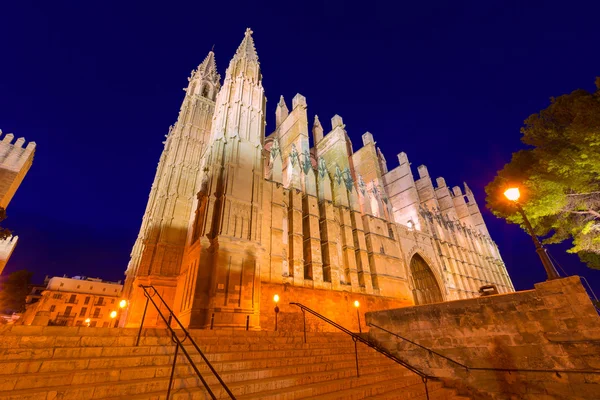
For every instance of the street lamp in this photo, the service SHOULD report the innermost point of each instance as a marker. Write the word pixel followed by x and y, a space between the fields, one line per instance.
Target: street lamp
pixel 123 303
pixel 276 300
pixel 513 195
pixel 87 322
pixel 357 304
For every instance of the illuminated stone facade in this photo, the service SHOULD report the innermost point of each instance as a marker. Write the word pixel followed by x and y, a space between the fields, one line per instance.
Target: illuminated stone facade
pixel 234 212
pixel 15 161
pixel 77 301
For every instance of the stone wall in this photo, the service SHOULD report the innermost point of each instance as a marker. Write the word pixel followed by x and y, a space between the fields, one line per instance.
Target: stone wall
pixel 553 327
pixel 335 305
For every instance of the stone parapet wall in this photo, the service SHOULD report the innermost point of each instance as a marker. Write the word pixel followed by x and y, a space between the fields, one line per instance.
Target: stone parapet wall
pixel 338 306
pixel 553 327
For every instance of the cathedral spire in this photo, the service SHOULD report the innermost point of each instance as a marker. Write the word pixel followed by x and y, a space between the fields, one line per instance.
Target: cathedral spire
pixel 246 48
pixel 209 64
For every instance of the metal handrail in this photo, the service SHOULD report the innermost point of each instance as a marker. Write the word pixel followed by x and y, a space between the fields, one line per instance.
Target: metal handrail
pixel 554 371
pixel 418 345
pixel 179 342
pixel 357 338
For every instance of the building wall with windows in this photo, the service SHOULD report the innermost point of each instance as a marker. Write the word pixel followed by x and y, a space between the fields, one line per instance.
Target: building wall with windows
pixel 77 301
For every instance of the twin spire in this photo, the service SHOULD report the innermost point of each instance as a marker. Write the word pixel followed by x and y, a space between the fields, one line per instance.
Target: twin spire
pixel 246 50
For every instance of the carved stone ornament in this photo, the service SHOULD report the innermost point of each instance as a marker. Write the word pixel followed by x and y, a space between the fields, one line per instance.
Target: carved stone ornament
pixel 306 165
pixel 338 175
pixel 275 150
pixel 294 155
pixel 361 185
pixel 322 167
pixel 348 179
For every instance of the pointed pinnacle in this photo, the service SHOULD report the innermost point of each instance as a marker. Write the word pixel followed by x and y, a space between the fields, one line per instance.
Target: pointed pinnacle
pixel 317 122
pixel 246 48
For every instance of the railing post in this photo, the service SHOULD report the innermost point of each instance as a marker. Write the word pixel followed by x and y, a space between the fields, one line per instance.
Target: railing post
pixel 172 371
pixel 426 389
pixel 137 342
pixel 304 319
pixel 356 356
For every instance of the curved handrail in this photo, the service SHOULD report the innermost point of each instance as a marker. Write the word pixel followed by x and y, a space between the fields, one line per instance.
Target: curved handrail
pixel 555 371
pixel 359 338
pixel 180 341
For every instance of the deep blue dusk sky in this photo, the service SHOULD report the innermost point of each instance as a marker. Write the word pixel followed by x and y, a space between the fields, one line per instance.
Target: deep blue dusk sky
pixel 97 84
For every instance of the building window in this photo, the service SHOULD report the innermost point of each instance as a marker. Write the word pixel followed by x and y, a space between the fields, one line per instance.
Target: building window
pixel 78 323
pixel 62 284
pixel 78 286
pixel 83 311
pixel 52 308
pixel 105 324
pixel 112 301
pixel 57 296
pixel 93 323
pixel 87 300
pixel 104 289
pixel 72 299
pixel 68 311
pixel 96 312
pixel 100 301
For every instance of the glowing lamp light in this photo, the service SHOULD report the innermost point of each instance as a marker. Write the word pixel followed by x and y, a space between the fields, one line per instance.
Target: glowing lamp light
pixel 87 321
pixel 356 303
pixel 512 194
pixel 276 298
pixel 113 314
pixel 409 224
pixel 123 303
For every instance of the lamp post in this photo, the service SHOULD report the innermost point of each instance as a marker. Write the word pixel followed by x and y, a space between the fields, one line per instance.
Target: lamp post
pixel 513 195
pixel 357 304
pixel 276 300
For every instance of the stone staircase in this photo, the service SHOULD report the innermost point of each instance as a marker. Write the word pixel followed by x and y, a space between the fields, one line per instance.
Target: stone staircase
pixel 47 363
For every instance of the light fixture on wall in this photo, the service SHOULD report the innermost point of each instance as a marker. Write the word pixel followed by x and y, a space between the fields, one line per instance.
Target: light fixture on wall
pixel 276 300
pixel 357 304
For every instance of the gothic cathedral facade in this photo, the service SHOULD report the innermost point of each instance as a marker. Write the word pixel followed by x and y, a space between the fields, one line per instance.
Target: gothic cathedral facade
pixel 235 216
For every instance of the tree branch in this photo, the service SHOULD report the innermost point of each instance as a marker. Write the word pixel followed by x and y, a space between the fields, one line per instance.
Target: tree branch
pixel 588 212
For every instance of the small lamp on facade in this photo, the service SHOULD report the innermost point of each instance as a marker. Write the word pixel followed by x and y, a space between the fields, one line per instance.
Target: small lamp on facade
pixel 513 195
pixel 276 300
pixel 123 303
pixel 357 304
pixel 87 322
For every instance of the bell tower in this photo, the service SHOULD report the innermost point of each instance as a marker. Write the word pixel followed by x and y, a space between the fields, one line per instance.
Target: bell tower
pixel 158 251
pixel 228 217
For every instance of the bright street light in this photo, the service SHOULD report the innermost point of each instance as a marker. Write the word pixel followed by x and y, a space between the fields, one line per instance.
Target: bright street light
pixel 512 194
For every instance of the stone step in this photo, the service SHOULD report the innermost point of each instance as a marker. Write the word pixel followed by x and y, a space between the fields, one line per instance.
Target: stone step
pixel 100 384
pixel 314 388
pixel 396 389
pixel 39 351
pixel 55 364
pixel 83 374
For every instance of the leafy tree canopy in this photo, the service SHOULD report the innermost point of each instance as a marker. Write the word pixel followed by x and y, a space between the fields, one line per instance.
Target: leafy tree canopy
pixel 558 174
pixel 14 288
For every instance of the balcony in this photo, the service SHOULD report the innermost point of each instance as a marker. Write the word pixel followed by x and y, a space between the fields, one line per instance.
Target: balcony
pixel 75 301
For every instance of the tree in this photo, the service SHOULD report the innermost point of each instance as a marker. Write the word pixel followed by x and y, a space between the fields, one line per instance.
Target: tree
pixel 558 175
pixel 14 288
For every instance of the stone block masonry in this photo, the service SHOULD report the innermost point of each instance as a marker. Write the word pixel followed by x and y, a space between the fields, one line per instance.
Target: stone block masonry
pixel 553 327
pixel 15 161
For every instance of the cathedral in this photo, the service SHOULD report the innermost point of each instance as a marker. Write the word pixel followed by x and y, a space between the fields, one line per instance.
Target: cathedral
pixel 236 216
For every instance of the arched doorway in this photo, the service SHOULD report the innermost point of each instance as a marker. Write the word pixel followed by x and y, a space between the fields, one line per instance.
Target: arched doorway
pixel 426 289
